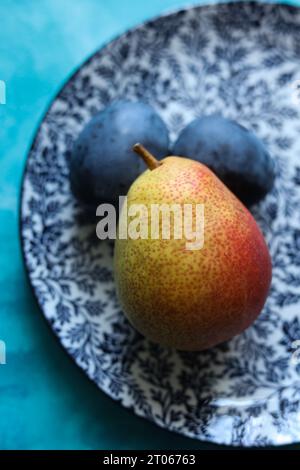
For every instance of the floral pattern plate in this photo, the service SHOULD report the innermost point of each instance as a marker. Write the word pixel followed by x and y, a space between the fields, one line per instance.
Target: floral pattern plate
pixel 241 60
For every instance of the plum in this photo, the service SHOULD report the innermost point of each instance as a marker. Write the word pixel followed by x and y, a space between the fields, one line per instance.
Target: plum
pixel 232 152
pixel 103 165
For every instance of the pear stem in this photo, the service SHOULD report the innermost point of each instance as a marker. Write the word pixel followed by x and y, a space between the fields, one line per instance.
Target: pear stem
pixel 148 158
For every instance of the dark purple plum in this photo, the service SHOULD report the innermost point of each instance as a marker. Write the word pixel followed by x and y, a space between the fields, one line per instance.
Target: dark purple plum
pixel 103 164
pixel 232 152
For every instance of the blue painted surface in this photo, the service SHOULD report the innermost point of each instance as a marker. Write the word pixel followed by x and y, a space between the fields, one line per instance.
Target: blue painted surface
pixel 45 400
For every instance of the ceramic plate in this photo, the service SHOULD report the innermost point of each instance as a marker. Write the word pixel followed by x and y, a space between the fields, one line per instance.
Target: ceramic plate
pixel 241 60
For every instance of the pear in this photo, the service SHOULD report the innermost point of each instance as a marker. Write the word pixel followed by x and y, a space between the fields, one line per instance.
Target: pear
pixel 183 298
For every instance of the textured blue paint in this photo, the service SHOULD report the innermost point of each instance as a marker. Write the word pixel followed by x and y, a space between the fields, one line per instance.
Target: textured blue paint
pixel 45 401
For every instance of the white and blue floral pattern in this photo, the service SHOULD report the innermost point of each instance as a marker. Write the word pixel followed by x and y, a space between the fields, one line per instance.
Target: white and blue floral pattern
pixel 240 60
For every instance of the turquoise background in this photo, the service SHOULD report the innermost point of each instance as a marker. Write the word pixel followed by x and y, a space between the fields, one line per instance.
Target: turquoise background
pixel 46 402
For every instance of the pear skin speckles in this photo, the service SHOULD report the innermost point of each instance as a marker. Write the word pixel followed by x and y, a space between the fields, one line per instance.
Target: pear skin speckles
pixel 192 300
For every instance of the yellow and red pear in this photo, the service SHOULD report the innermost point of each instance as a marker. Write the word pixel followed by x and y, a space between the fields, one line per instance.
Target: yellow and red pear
pixel 192 299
